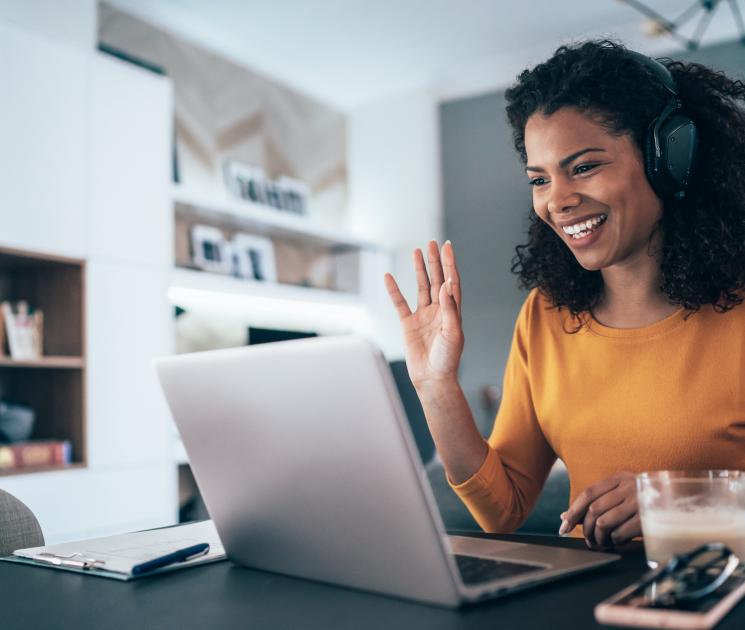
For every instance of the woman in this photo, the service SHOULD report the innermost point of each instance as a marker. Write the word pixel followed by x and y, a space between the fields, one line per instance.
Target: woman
pixel 629 352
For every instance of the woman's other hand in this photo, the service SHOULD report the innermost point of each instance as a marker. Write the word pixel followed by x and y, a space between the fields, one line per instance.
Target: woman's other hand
pixel 433 334
pixel 608 512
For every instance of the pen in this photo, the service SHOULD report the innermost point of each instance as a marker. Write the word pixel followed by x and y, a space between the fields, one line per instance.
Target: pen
pixel 181 555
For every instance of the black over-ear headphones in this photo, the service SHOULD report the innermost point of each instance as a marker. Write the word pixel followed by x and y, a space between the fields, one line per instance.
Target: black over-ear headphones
pixel 672 138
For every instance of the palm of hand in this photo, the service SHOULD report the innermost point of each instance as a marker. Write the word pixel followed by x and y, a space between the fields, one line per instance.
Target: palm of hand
pixel 432 350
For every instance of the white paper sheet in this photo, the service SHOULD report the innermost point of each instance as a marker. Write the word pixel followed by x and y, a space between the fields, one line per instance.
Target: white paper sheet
pixel 121 553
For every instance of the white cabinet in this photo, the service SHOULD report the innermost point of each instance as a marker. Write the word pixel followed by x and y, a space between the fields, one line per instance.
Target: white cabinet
pixel 128 324
pixel 131 118
pixel 44 135
pixel 85 172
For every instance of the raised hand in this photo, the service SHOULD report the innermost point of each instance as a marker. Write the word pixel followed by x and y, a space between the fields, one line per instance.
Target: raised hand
pixel 433 334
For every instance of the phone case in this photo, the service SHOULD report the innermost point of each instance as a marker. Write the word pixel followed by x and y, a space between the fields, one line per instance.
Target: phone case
pixel 621 609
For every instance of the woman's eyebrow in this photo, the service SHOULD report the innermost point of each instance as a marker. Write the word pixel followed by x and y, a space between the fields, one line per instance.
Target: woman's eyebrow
pixel 567 160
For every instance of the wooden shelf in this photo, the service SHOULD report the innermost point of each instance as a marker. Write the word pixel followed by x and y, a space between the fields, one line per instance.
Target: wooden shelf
pixel 51 362
pixel 41 469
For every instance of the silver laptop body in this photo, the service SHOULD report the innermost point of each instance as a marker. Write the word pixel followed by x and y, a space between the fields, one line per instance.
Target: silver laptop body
pixel 308 467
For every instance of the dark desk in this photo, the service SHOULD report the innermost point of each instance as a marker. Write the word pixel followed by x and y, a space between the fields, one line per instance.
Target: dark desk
pixel 223 595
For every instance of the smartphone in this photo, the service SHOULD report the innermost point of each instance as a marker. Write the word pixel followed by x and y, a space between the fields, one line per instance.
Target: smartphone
pixel 630 608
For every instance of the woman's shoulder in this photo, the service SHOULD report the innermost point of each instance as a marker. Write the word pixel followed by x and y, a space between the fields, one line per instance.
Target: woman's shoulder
pixel 539 312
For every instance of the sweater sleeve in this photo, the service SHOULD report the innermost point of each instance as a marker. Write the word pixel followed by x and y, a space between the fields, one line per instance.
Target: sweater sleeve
pixel 501 494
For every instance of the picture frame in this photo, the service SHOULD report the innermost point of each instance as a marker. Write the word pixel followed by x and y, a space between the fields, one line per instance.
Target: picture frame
pixel 252 184
pixel 294 194
pixel 210 250
pixel 253 257
pixel 246 182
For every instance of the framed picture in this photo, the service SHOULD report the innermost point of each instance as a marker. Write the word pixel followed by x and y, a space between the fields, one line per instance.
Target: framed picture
pixel 254 257
pixel 251 183
pixel 246 182
pixel 294 194
pixel 210 250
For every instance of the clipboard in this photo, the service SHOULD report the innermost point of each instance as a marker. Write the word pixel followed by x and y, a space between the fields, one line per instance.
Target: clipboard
pixel 115 556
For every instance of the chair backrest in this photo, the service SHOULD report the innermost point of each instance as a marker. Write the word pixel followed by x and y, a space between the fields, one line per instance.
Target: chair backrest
pixel 413 409
pixel 19 528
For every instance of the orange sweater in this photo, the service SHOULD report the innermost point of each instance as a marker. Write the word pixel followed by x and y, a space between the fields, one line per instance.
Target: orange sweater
pixel 604 400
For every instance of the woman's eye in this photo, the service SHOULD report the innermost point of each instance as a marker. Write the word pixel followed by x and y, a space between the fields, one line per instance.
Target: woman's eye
pixel 584 168
pixel 537 181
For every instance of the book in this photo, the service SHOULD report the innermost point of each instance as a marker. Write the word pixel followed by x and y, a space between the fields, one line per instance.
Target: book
pixel 24 328
pixel 35 454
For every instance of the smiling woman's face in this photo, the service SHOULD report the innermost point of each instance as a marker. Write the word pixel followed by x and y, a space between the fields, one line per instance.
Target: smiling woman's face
pixel 590 187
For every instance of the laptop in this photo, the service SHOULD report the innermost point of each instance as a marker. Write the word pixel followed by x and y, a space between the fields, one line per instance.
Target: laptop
pixel 308 467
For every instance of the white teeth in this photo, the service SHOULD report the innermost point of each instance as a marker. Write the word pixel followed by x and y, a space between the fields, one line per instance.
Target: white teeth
pixel 584 225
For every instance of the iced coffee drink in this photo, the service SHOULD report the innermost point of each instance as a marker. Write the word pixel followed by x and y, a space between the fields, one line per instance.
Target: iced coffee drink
pixel 681 510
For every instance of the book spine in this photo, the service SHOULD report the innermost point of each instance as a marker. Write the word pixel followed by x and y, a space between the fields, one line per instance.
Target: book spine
pixel 35 454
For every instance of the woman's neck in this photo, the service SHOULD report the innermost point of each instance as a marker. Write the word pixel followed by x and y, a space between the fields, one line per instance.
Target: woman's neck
pixel 631 295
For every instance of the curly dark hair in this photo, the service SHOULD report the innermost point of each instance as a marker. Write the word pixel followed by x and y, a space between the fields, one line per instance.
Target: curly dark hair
pixel 703 234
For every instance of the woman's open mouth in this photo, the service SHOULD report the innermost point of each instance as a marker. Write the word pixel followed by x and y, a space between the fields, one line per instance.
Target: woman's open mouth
pixel 582 230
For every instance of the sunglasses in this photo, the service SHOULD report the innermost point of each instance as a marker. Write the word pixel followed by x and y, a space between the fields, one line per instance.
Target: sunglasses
pixel 688 577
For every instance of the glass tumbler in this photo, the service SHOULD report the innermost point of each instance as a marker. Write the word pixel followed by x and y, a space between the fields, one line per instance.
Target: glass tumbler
pixel 681 510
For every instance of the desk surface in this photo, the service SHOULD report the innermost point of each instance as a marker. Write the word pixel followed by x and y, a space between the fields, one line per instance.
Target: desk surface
pixel 223 595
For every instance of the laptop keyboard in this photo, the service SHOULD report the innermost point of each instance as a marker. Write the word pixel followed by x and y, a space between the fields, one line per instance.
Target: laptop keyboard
pixel 475 570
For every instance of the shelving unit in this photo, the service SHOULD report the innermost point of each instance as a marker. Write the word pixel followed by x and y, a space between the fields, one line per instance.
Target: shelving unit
pixel 197 280
pixel 54 384
pixel 312 262
pixel 106 201
pixel 265 220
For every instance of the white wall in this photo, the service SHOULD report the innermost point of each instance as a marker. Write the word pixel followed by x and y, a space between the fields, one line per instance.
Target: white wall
pixel 66 21
pixel 394 187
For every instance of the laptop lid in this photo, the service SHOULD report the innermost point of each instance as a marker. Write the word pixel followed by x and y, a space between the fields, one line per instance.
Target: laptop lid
pixel 308 467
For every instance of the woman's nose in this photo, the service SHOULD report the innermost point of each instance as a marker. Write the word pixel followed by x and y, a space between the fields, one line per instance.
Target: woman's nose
pixel 563 199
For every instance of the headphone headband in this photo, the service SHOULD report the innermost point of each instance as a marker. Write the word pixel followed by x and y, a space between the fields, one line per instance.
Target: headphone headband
pixel 658 69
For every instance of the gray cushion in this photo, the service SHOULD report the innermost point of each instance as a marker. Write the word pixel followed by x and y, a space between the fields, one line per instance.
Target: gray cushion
pixel 18 526
pixel 544 519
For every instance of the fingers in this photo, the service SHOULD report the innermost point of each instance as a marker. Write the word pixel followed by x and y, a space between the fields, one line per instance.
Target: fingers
pixel 616 527
pixel 601 518
pixel 451 271
pixel 576 513
pixel 627 531
pixel 607 523
pixel 429 284
pixel 608 511
pixel 450 315
pixel 436 276
pixel 621 523
pixel 399 302
pixel 423 296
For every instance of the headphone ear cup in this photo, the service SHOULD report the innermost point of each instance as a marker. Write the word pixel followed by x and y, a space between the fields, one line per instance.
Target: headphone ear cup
pixel 679 140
